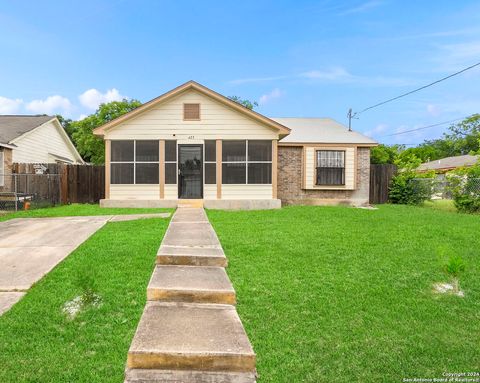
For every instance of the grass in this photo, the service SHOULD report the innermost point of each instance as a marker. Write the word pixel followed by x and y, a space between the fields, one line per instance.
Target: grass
pixel 441 204
pixel 77 210
pixel 38 343
pixel 335 294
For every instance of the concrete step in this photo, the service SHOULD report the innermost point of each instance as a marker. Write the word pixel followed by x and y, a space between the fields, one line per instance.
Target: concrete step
pixel 186 203
pixel 178 376
pixel 191 256
pixel 191 284
pixel 189 336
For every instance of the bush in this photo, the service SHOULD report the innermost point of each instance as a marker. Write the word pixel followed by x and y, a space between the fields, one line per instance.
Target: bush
pixel 410 188
pixel 465 189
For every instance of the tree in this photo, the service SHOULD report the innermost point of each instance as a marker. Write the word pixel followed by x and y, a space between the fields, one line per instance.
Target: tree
pixel 246 103
pixel 384 154
pixel 91 147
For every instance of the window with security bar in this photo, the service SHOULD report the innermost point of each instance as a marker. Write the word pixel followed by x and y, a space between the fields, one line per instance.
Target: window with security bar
pixel 330 167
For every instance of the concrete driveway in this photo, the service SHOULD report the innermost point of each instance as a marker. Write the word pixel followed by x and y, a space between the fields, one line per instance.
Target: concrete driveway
pixel 31 247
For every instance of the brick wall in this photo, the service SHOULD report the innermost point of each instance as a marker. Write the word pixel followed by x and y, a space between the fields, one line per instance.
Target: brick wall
pixel 7 170
pixel 290 181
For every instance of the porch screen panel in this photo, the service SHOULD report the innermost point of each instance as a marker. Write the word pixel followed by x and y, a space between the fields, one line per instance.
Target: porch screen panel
pixel 330 167
pixel 134 162
pixel 247 162
pixel 170 162
pixel 234 162
pixel 259 162
pixel 210 163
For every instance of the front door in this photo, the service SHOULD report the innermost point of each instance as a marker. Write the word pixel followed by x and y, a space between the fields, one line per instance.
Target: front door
pixel 190 171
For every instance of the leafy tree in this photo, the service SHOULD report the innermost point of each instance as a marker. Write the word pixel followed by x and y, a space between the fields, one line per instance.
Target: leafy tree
pixel 246 103
pixel 384 154
pixel 90 147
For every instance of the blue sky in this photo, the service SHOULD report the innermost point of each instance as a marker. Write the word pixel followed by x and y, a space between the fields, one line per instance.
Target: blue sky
pixel 297 58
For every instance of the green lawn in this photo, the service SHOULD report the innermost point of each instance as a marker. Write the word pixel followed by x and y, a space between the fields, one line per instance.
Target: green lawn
pixel 37 341
pixel 335 294
pixel 441 204
pixel 77 210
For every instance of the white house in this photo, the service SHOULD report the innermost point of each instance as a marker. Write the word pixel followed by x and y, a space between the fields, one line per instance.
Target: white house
pixel 34 139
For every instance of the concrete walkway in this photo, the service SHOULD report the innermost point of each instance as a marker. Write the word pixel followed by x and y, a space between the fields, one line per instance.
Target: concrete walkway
pixel 31 247
pixel 190 331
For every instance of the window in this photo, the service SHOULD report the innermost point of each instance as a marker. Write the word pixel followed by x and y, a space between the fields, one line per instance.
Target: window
pixel 330 167
pixel 191 112
pixel 170 162
pixel 210 162
pixel 247 162
pixel 134 162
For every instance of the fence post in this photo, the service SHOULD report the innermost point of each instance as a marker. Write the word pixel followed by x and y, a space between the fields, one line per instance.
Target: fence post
pixel 64 184
pixel 16 196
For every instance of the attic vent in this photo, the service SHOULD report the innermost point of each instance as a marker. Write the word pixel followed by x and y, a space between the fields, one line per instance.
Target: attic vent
pixel 191 111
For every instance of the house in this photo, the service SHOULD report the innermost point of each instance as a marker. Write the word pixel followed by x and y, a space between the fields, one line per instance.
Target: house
pixel 447 164
pixel 193 143
pixel 33 139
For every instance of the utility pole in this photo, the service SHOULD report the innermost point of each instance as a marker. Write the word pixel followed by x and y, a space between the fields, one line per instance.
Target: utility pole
pixel 350 116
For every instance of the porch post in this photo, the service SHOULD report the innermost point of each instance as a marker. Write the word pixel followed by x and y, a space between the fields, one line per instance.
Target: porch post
pixel 107 168
pixel 274 168
pixel 161 168
pixel 219 169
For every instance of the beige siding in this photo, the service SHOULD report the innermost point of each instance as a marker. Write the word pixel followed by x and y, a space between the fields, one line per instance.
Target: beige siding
pixel 246 191
pixel 38 146
pixel 135 192
pixel 165 121
pixel 309 168
pixel 171 191
pixel 210 191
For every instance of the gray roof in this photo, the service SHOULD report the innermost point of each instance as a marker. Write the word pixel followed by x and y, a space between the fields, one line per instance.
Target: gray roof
pixel 450 162
pixel 321 130
pixel 12 127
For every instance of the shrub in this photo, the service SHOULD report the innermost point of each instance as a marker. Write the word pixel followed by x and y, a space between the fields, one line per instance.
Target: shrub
pixel 453 269
pixel 410 188
pixel 465 189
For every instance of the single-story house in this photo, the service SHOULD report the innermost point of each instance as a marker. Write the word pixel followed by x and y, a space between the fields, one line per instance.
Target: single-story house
pixel 33 139
pixel 447 164
pixel 193 143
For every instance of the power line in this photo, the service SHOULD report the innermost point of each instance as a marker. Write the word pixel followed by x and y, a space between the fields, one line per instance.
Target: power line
pixel 416 90
pixel 424 127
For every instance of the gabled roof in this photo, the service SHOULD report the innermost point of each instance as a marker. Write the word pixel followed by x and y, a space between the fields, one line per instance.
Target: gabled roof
pixel 448 163
pixel 321 130
pixel 12 127
pixel 192 85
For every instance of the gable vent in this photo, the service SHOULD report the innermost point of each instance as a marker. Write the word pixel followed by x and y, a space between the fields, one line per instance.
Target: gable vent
pixel 191 111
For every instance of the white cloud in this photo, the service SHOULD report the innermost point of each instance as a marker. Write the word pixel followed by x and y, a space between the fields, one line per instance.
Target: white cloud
pixel 10 105
pixel 81 117
pixel 380 128
pixel 335 73
pixel 50 105
pixel 92 98
pixel 433 110
pixel 274 94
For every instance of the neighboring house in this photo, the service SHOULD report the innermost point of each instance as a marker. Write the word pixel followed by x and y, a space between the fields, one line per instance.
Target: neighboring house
pixel 447 164
pixel 193 143
pixel 33 139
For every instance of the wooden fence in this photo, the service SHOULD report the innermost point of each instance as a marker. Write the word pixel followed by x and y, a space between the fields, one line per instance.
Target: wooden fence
pixel 380 178
pixel 61 183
